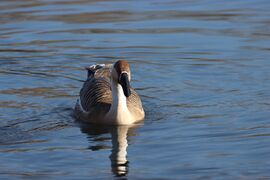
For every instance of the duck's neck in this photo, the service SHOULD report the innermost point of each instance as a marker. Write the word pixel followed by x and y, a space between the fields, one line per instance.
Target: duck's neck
pixel 119 113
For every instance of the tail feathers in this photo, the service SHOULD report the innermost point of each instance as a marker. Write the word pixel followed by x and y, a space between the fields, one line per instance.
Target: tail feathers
pixel 92 69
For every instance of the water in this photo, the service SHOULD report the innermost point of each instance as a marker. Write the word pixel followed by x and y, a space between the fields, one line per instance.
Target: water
pixel 201 67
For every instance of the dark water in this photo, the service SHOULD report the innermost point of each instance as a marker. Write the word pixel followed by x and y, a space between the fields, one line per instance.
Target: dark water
pixel 202 69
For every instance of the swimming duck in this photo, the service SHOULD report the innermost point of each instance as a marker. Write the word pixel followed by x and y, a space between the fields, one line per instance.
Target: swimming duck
pixel 107 97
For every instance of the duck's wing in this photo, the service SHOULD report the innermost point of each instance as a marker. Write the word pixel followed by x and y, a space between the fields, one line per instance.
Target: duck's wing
pixel 95 95
pixel 134 104
pixel 96 92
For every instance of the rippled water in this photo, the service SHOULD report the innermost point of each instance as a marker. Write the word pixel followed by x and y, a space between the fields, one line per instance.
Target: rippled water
pixel 201 67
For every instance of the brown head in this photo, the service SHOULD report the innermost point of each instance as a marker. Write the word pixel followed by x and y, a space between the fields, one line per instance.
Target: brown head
pixel 121 75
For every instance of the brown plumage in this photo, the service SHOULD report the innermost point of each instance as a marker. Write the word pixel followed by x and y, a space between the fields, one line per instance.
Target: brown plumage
pixel 121 66
pixel 96 97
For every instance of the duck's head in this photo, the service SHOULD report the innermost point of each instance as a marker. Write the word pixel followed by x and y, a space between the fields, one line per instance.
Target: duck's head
pixel 121 75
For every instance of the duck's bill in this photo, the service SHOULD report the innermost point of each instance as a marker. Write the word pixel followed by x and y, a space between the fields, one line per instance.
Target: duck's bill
pixel 124 81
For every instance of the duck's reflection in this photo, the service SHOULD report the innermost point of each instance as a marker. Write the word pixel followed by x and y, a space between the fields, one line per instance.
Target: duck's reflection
pixel 119 138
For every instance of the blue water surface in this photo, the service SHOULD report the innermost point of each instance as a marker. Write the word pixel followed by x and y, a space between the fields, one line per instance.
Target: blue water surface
pixel 201 68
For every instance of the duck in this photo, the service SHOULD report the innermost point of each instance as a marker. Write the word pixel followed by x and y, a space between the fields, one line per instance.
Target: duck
pixel 107 97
